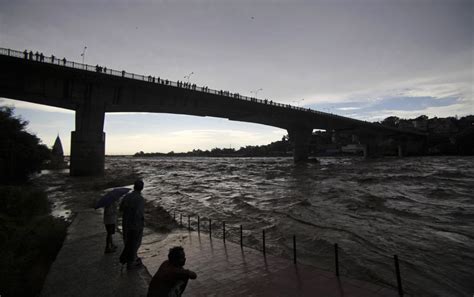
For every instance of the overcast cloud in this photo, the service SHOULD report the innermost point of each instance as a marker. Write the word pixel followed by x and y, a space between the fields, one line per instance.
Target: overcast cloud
pixel 364 59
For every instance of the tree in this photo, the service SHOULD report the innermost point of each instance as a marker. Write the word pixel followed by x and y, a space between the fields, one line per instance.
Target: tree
pixel 422 118
pixel 391 121
pixel 21 153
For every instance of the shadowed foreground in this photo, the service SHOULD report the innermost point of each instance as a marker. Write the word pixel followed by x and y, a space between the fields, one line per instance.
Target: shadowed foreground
pixel 82 269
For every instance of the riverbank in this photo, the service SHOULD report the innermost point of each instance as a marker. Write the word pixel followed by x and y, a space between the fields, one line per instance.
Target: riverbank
pixel 82 269
pixel 223 268
pixel 416 208
pixel 71 195
pixel 30 239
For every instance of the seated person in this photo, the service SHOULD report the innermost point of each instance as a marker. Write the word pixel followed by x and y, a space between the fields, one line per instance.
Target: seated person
pixel 171 278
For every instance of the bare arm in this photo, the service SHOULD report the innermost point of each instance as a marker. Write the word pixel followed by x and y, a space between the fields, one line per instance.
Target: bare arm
pixel 182 273
pixel 192 274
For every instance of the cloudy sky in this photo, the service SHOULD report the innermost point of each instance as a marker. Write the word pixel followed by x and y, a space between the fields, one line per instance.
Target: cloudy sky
pixel 363 59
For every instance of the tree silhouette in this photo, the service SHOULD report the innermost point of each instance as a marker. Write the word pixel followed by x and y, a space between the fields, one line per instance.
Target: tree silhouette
pixel 21 153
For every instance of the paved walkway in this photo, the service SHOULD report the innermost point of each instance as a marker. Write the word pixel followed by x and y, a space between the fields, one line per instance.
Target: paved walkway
pixel 82 269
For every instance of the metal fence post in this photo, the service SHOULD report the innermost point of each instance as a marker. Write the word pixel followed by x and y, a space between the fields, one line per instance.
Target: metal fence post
pixel 263 243
pixel 336 259
pixel 294 249
pixel 399 279
pixel 210 227
pixel 199 225
pixel 241 237
pixel 223 230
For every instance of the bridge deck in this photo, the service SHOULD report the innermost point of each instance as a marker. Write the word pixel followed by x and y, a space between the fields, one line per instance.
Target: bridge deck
pixel 312 118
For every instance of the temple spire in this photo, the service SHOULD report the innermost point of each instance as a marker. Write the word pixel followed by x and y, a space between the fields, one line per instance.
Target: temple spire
pixel 58 148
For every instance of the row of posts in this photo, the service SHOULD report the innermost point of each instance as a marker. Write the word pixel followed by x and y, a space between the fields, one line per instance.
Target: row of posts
pixel 86 67
pixel 336 247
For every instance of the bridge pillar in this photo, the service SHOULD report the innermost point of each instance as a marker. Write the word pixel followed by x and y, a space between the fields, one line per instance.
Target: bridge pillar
pixel 401 150
pixel 88 141
pixel 369 147
pixel 334 137
pixel 416 146
pixel 300 137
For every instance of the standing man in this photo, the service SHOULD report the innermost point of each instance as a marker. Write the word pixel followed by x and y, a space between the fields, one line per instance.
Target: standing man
pixel 132 207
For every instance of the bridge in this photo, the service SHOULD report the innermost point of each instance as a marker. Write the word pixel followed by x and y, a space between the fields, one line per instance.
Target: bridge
pixel 91 91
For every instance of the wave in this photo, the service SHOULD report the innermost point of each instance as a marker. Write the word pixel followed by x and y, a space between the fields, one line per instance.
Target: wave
pixel 373 206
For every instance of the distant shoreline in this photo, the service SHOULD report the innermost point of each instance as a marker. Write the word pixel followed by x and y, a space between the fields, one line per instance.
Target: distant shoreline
pixel 282 156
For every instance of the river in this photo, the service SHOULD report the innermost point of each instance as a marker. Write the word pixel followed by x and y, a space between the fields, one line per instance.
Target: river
pixel 421 209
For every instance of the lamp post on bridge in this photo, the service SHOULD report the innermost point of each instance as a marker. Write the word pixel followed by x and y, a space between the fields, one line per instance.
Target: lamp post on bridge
pixel 83 55
pixel 188 76
pixel 256 92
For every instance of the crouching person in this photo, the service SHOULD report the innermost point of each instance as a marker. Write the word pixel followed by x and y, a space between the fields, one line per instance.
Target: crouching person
pixel 171 278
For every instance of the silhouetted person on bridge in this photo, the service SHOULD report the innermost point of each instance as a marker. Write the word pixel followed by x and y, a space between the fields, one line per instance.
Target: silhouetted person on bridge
pixel 171 278
pixel 41 57
pixel 52 59
pixel 31 55
pixel 64 61
pixel 132 206
pixel 26 54
pixel 123 73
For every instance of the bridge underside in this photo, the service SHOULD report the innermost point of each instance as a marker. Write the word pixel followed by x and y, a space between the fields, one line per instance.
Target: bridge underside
pixel 93 94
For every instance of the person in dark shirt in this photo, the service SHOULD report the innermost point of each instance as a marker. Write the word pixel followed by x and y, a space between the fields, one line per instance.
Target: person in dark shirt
pixel 110 219
pixel 171 278
pixel 132 207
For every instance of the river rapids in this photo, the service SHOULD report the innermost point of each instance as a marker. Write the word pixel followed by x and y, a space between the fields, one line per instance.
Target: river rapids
pixel 421 209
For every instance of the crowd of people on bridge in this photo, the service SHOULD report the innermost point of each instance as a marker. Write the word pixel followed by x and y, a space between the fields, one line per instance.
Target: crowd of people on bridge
pixel 39 57
pixel 152 79
pixel 186 85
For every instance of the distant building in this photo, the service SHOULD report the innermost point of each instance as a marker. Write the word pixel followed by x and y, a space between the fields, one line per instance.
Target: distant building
pixel 58 148
pixel 57 155
pixel 352 148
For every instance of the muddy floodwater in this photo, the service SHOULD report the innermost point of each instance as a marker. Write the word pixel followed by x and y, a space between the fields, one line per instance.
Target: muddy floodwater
pixel 421 209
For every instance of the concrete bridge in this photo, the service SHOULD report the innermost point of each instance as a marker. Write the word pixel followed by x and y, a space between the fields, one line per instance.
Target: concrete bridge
pixel 91 92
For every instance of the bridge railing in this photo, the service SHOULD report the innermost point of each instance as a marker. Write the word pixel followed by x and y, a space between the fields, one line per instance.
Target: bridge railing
pixel 37 57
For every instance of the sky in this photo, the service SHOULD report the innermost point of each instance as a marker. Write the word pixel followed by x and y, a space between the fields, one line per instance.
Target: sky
pixel 365 59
